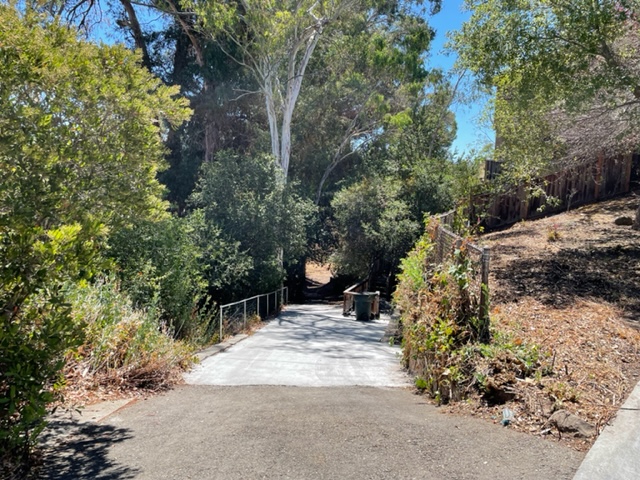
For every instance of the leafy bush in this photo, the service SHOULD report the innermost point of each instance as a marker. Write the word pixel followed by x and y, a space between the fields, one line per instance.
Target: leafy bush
pixel 372 223
pixel 160 268
pixel 123 345
pixel 82 129
pixel 245 203
pixel 35 329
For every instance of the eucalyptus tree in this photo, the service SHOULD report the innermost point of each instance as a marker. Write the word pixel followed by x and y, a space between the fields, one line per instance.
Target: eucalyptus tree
pixel 405 173
pixel 362 84
pixel 275 41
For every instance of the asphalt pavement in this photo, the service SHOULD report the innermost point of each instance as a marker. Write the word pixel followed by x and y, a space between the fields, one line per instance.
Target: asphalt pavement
pixel 312 395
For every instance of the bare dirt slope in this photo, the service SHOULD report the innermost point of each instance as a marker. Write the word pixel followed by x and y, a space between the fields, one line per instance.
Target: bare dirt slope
pixel 318 273
pixel 570 283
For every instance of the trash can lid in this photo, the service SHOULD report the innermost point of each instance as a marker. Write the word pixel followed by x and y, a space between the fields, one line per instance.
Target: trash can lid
pixel 364 294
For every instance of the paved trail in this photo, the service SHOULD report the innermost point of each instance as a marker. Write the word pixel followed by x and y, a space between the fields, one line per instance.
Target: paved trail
pixel 307 346
pixel 316 396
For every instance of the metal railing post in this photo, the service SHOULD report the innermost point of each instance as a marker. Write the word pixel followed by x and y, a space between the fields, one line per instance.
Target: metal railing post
pixel 245 314
pixel 258 307
pixel 220 324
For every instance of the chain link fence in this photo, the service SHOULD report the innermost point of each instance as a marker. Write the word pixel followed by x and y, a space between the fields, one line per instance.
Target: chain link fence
pixel 447 242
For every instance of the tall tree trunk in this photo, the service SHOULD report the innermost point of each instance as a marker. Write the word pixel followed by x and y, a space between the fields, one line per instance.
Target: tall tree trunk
pixel 272 116
pixel 294 84
pixel 136 32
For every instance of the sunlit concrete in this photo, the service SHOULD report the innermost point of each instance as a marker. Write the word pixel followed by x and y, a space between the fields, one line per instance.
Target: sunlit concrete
pixel 307 345
pixel 616 453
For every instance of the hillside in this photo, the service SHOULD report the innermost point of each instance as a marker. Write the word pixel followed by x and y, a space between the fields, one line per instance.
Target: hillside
pixel 569 283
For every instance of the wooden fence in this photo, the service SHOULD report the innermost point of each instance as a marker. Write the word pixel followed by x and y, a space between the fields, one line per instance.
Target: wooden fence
pixel 592 181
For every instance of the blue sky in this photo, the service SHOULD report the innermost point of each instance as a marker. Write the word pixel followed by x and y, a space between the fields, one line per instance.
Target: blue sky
pixel 470 133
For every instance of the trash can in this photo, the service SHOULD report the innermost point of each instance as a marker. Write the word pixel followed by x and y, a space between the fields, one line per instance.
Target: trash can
pixel 362 303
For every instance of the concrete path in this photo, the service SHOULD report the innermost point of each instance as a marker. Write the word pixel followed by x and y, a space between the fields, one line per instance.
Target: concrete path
pixel 270 431
pixel 616 453
pixel 309 346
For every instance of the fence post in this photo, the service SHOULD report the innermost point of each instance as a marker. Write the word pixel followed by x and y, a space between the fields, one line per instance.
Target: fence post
pixel 267 314
pixel 244 304
pixel 258 307
pixel 484 296
pixel 598 175
pixel 220 339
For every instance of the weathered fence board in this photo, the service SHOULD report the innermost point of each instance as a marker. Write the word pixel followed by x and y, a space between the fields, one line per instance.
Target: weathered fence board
pixel 592 181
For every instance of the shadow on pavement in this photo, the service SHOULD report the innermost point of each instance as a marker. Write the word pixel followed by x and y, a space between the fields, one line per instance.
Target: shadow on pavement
pixel 80 451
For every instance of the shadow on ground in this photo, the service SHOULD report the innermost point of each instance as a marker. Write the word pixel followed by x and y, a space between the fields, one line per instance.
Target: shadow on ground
pixel 598 271
pixel 80 451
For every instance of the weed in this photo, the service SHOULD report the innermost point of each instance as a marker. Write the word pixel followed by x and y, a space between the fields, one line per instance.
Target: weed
pixel 553 235
pixel 445 344
pixel 421 383
pixel 561 392
pixel 123 345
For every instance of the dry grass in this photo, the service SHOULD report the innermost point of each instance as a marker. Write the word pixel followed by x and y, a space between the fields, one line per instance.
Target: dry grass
pixel 318 273
pixel 577 297
pixel 126 351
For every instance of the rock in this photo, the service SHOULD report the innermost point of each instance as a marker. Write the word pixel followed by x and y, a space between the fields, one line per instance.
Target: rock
pixel 626 221
pixel 546 406
pixel 569 423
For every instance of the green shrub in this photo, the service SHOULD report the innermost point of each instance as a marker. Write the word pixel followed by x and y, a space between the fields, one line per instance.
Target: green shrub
pixel 244 202
pixel 373 223
pixel 81 142
pixel 35 326
pixel 160 267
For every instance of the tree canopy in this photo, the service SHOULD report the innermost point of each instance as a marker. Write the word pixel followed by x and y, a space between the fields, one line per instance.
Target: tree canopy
pixel 574 64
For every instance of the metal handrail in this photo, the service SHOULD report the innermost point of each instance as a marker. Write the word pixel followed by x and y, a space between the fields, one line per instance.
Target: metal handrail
pixel 284 299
